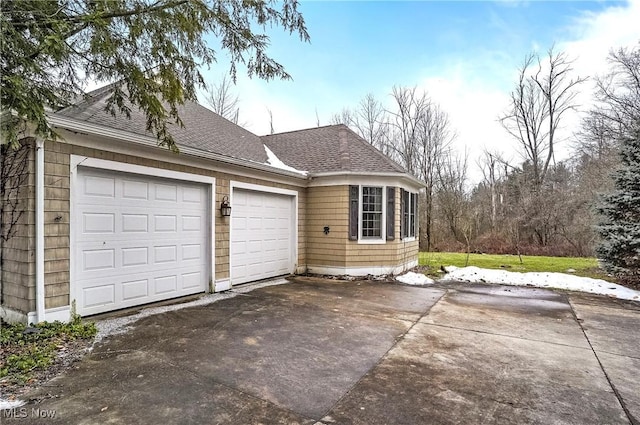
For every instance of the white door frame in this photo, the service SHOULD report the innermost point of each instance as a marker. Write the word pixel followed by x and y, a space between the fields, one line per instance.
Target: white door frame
pixel 294 214
pixel 88 162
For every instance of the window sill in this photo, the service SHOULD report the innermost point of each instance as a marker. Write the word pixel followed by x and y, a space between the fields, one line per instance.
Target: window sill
pixel 411 239
pixel 371 241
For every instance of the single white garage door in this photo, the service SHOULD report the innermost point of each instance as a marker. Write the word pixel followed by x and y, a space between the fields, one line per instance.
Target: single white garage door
pixel 137 239
pixel 262 236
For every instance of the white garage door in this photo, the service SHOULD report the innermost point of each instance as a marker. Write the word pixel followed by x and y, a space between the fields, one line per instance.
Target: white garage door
pixel 262 236
pixel 138 239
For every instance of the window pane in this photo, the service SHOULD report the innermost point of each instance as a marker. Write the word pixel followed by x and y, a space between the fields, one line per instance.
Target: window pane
pixel 371 212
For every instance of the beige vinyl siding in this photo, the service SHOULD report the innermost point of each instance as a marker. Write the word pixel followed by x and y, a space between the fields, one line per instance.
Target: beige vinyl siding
pixel 19 269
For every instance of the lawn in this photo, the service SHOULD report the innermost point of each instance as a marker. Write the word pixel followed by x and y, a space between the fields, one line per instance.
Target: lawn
pixel 587 267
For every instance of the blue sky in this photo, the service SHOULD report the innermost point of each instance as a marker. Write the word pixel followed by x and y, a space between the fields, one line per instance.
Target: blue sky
pixel 464 54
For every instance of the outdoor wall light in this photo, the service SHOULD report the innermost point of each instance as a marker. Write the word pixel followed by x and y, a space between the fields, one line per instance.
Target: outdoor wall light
pixel 225 207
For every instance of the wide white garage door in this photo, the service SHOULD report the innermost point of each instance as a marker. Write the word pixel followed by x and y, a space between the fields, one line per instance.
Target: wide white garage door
pixel 262 236
pixel 137 239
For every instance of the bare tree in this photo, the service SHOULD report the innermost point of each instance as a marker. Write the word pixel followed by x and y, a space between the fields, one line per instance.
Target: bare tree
pixel 270 121
pixel 371 122
pixel 451 195
pixel 492 166
pixel 406 119
pixel 343 117
pixel 544 93
pixel 420 138
pixel 222 100
pixel 619 93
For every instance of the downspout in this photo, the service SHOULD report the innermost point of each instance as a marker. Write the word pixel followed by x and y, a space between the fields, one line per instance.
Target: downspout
pixel 39 230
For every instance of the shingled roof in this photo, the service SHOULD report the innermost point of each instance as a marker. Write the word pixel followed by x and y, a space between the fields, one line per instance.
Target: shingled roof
pixel 203 129
pixel 331 148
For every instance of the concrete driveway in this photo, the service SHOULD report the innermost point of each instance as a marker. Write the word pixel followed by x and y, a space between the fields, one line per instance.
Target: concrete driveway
pixel 328 352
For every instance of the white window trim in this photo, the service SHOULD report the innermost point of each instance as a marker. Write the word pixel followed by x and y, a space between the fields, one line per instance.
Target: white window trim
pixel 415 227
pixel 383 226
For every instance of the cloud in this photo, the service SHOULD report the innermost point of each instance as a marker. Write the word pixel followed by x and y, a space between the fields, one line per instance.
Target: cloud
pixel 473 106
pixel 474 94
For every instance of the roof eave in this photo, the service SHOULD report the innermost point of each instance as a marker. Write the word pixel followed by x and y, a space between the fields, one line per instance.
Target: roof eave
pixel 402 176
pixel 99 130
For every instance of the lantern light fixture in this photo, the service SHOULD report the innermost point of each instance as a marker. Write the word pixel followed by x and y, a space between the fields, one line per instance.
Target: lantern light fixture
pixel 225 207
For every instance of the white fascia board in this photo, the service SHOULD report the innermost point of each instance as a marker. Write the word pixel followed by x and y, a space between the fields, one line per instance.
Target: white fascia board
pixel 365 178
pixel 112 133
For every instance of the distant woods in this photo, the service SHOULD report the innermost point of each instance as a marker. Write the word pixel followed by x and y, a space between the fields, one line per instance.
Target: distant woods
pixel 533 205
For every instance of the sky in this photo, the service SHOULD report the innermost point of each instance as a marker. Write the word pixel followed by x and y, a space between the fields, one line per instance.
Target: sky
pixel 464 54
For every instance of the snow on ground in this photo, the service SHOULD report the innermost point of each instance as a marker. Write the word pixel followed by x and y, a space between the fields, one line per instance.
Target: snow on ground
pixel 541 280
pixel 274 161
pixel 412 278
pixel 10 404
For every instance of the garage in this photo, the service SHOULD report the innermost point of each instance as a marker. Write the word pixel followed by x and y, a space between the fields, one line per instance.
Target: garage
pixel 262 235
pixel 137 239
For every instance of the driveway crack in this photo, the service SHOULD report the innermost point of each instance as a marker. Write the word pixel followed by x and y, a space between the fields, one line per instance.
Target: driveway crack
pixel 632 419
pixel 386 354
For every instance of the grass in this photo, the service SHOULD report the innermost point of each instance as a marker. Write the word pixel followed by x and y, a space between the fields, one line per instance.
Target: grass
pixel 586 267
pixel 26 350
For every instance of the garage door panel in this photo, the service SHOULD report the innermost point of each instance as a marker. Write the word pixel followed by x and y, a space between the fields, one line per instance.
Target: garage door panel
pixel 138 256
pixel 165 223
pixel 135 223
pixel 138 239
pixel 165 192
pixel 98 296
pixel 135 289
pixel 192 223
pixel 95 222
pixel 165 284
pixel 99 186
pixel 165 254
pixel 192 252
pixel 191 280
pixel 109 293
pixel 135 189
pixel 192 195
pixel 262 235
pixel 98 259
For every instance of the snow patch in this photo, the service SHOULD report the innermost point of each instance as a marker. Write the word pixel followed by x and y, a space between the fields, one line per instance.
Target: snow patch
pixel 10 404
pixel 412 278
pixel 275 162
pixel 542 280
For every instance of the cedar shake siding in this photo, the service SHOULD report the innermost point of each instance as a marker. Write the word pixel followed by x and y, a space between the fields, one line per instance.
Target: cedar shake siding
pixel 328 206
pixel 18 271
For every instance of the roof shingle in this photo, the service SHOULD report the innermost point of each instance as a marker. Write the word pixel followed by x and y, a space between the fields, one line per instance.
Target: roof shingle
pixel 333 148
pixel 203 129
pixel 329 149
